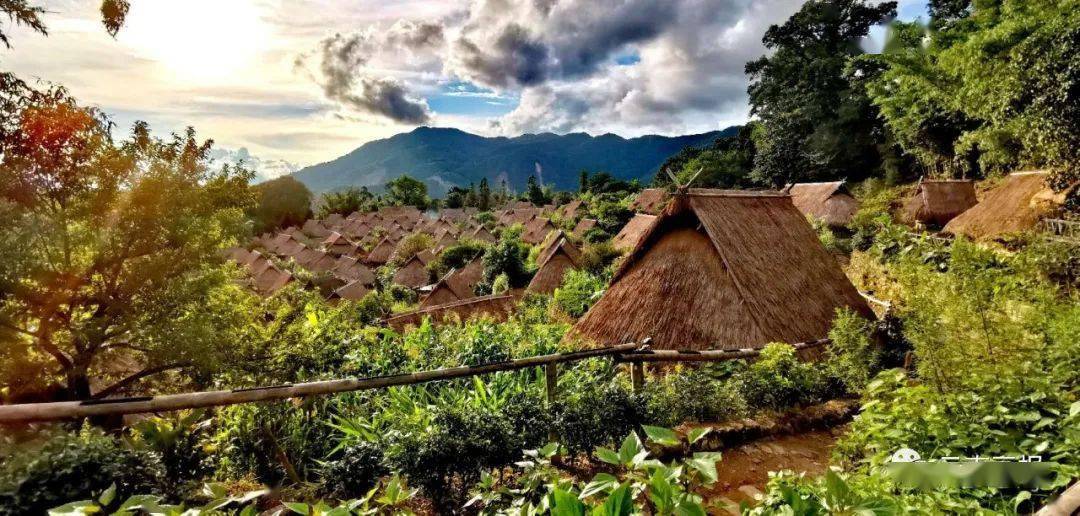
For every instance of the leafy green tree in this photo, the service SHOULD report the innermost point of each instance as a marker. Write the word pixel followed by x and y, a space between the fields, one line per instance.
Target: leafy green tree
pixel 993 88
pixel 280 202
pixel 817 125
pixel 345 201
pixel 407 191
pixel 20 12
pixel 726 163
pixel 111 247
pixel 534 193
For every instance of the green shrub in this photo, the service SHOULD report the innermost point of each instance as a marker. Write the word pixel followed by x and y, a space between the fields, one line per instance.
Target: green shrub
pixel 579 290
pixel 456 256
pixel 596 413
pixel 507 257
pixel 597 258
pixel 691 396
pixel 852 358
pixel 38 476
pixel 779 380
pixel 179 440
pixel 355 471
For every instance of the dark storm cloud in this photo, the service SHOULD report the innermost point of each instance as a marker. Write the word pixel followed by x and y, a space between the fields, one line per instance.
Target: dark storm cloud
pixel 343 63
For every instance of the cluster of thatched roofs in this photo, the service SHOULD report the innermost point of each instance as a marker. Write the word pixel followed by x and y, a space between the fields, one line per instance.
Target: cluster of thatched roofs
pixel 705 269
pixel 342 251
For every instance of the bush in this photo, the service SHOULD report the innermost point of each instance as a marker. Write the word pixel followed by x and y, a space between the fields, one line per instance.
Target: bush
pixel 691 396
pixel 178 439
pixel 852 358
pixel 355 471
pixel 35 478
pixel 596 414
pixel 456 257
pixel 779 380
pixel 507 257
pixel 578 292
pixel 596 258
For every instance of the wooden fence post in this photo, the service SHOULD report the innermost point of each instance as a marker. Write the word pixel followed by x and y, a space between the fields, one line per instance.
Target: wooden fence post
pixel 552 380
pixel 637 375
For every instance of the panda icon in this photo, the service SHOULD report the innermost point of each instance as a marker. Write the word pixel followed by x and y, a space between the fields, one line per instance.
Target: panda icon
pixel 905 455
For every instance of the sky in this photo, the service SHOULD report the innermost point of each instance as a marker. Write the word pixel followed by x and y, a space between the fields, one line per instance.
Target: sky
pixel 287 83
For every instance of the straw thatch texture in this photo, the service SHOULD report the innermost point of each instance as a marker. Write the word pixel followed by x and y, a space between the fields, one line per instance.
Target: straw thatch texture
pixel 570 210
pixel 413 274
pixel 553 264
pixel 723 270
pixel 936 202
pixel 271 280
pixel 350 269
pixel 828 202
pixel 472 273
pixel 633 231
pixel 498 308
pixel 583 226
pixel 537 230
pixel 650 200
pixel 380 254
pixel 323 263
pixel 1017 204
pixel 481 234
pixel 313 228
pixel 353 291
pixel 452 287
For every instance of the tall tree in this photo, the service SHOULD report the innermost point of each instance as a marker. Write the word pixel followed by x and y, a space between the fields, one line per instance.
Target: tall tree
pixel 346 201
pixel 110 249
pixel 407 191
pixel 280 202
pixel 995 87
pixel 483 201
pixel 817 125
pixel 534 193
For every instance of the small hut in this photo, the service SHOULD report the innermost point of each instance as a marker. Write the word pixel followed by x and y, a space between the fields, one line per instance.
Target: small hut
pixel 723 269
pixel 413 273
pixel 444 240
pixel 481 234
pixel 472 273
pixel 323 262
pixel 452 287
pixel 259 264
pixel 271 280
pixel 337 244
pixel 537 230
pixel 830 202
pixel 315 229
pixel 556 259
pixel 353 291
pixel 1016 205
pixel 650 200
pixel 583 226
pixel 350 269
pixel 632 232
pixel 381 253
pixel 936 202
pixel 570 210
pixel 498 308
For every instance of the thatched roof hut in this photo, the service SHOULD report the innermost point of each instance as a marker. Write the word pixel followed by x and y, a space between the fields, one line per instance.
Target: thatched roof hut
pixel 481 234
pixel 497 307
pixel 426 256
pixel 1016 205
pixel 829 202
pixel 313 228
pixel 413 273
pixel 650 200
pixel 537 230
pixel 452 287
pixel 583 226
pixel 570 210
pixel 259 264
pixel 382 251
pixel 336 243
pixel 350 269
pixel 352 291
pixel 936 202
pixel 472 273
pixel 558 258
pixel 271 280
pixel 723 270
pixel 324 262
pixel 632 232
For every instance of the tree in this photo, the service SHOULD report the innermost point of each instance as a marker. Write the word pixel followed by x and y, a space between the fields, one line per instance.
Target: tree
pixel 20 12
pixel 455 197
pixel 406 191
pixel 111 248
pixel 994 88
pixel 346 201
pixel 280 202
pixel 534 193
pixel 817 125
pixel 583 181
pixel 483 199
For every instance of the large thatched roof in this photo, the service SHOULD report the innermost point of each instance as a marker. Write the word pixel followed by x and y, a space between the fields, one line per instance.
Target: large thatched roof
pixel 413 273
pixel 451 287
pixel 553 263
pixel 937 201
pixel 1017 204
pixel 632 232
pixel 650 200
pixel 830 202
pixel 723 270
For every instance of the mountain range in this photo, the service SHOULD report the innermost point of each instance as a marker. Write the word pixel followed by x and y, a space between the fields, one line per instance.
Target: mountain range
pixel 444 157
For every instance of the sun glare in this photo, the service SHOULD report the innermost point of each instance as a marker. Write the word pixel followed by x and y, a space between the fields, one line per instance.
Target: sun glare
pixel 197 39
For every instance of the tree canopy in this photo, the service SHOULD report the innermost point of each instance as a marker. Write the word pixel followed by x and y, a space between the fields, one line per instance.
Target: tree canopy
pixel 280 202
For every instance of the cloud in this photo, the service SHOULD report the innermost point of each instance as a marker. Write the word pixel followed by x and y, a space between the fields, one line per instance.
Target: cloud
pixel 349 68
pixel 264 168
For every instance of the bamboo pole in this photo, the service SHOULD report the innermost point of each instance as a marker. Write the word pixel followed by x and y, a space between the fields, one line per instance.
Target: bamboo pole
pixel 33 412
pixel 672 355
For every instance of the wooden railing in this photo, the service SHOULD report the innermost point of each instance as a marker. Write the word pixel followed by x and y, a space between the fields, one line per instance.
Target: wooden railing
pixel 634 354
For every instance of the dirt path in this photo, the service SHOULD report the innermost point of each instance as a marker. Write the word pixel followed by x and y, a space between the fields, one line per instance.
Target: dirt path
pixel 743 471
